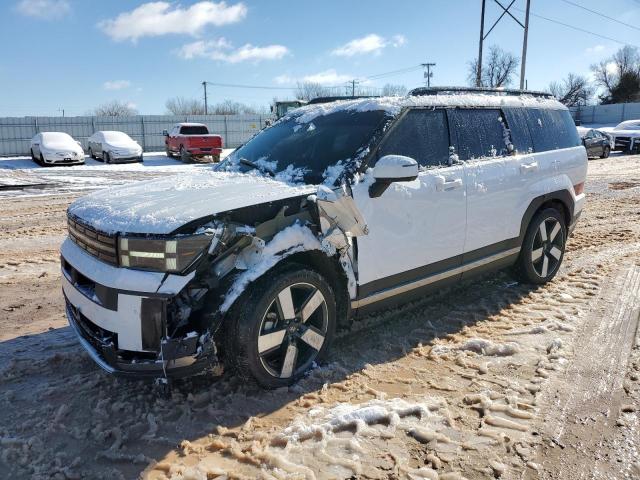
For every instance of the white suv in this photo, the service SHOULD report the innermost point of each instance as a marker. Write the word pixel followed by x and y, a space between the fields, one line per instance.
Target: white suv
pixel 337 209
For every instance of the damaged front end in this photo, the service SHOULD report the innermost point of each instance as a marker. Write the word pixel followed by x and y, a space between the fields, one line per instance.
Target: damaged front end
pixel 169 323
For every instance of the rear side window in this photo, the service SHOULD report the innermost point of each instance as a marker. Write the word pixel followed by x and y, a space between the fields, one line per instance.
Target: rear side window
pixel 478 133
pixel 422 135
pixel 194 130
pixel 552 129
pixel 519 128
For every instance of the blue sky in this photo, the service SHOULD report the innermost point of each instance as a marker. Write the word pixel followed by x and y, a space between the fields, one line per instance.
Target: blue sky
pixel 76 54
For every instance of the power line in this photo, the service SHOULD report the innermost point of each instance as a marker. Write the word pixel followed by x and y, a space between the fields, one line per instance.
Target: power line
pixel 601 14
pixel 236 85
pixel 579 29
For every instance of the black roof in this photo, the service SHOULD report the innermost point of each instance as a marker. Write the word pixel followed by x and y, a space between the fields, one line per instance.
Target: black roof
pixel 457 90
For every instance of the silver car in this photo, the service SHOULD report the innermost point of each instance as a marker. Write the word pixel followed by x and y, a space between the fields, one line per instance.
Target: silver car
pixel 111 147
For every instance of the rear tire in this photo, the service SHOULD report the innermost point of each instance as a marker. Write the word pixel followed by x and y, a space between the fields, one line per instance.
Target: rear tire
pixel 272 337
pixel 606 152
pixel 543 248
pixel 184 155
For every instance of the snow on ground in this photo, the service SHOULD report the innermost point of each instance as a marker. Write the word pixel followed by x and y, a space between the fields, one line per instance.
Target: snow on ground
pixel 485 380
pixel 21 176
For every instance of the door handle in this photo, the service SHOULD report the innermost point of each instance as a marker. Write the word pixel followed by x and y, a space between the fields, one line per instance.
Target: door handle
pixel 529 167
pixel 443 184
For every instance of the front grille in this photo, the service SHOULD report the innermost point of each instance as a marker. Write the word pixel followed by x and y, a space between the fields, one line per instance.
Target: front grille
pixel 99 244
pixel 623 143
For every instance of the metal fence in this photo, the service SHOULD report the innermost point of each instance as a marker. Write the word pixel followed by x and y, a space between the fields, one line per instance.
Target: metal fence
pixel 611 114
pixel 17 132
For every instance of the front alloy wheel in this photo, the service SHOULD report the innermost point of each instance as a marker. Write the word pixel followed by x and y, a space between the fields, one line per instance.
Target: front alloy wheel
pixel 281 326
pixel 293 330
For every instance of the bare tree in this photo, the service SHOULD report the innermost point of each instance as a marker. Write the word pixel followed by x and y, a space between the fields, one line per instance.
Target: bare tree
pixel 391 90
pixel 310 90
pixel 573 90
pixel 115 108
pixel 184 106
pixel 231 107
pixel 619 76
pixel 497 69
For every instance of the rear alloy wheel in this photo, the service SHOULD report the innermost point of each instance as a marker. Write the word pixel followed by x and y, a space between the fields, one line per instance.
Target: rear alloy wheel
pixel 284 326
pixel 606 152
pixel 543 248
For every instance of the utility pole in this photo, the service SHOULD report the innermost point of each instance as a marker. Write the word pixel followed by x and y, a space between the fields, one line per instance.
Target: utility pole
pixel 428 74
pixel 61 110
pixel 204 84
pixel 505 11
pixel 523 64
pixel 353 87
pixel 480 44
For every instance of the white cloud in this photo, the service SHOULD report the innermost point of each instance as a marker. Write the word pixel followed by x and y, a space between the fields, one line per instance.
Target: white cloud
pixel 116 84
pixel 44 9
pixel 371 43
pixel 162 18
pixel 595 50
pixel 327 77
pixel 612 68
pixel 223 50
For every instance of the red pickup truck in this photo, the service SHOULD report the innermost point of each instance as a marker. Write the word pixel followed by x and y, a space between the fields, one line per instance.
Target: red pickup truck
pixel 192 141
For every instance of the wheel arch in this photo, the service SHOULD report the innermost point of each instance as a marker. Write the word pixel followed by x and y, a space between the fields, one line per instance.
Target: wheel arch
pixel 561 200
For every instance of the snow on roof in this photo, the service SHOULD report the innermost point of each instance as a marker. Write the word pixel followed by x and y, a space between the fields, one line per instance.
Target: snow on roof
pixel 393 105
pixel 189 124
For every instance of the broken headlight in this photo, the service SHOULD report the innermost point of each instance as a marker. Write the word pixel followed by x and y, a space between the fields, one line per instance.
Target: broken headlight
pixel 173 255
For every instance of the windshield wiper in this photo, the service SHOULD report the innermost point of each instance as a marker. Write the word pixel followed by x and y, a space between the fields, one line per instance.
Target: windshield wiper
pixel 261 168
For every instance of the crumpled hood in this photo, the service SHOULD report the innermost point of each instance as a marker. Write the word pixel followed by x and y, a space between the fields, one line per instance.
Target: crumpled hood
pixel 162 206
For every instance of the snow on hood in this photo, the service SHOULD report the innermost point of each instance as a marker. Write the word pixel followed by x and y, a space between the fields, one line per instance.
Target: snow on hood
pixel 162 206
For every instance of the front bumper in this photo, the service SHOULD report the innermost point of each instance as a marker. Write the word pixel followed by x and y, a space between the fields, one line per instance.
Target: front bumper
pixel 119 314
pixel 125 158
pixel 70 160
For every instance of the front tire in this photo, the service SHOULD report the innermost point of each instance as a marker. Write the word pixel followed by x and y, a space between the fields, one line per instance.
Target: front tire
pixel 543 248
pixel 606 152
pixel 281 326
pixel 106 158
pixel 91 155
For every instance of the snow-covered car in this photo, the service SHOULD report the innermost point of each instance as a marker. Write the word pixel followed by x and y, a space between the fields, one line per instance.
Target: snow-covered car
pixel 626 136
pixel 597 143
pixel 56 148
pixel 113 147
pixel 336 210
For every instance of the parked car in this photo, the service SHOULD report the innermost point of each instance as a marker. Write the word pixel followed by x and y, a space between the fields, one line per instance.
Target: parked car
pixel 56 148
pixel 192 141
pixel 626 136
pixel 336 210
pixel 597 143
pixel 114 147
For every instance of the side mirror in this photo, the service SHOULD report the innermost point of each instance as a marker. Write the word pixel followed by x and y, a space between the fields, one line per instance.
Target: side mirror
pixel 392 168
pixel 165 133
pixel 78 142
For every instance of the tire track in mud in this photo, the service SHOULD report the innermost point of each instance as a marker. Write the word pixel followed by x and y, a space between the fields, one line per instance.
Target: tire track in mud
pixel 584 404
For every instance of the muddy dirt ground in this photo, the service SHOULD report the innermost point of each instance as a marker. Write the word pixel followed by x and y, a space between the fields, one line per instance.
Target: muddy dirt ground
pixel 487 380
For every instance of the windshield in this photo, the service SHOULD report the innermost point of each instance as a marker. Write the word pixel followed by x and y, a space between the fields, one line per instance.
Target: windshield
pixel 58 137
pixel 117 137
pixel 194 130
pixel 313 152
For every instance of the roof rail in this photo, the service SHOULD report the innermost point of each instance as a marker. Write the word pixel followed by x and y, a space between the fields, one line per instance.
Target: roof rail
pixel 459 90
pixel 339 97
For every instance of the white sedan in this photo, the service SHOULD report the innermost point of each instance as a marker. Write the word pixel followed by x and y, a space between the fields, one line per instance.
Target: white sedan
pixel 56 148
pixel 113 146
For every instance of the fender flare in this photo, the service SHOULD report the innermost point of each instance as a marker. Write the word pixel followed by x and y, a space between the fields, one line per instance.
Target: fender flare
pixel 562 196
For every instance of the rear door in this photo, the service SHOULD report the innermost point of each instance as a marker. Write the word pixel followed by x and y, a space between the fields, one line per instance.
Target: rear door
pixel 482 141
pixel 417 228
